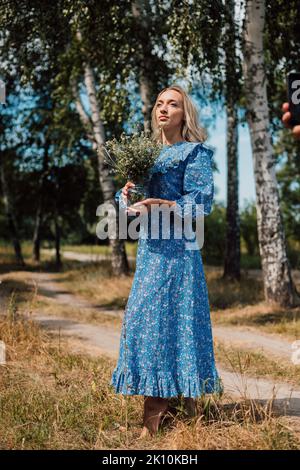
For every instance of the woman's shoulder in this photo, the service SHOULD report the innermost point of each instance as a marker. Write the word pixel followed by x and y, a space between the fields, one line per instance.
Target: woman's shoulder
pixel 180 153
pixel 200 148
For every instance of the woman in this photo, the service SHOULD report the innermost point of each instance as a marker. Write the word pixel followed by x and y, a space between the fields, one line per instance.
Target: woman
pixel 166 346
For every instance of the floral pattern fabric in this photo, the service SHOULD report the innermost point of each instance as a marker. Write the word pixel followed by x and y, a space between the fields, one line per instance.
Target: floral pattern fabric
pixel 166 344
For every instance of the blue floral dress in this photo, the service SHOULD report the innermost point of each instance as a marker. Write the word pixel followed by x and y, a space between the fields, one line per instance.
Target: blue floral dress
pixel 166 345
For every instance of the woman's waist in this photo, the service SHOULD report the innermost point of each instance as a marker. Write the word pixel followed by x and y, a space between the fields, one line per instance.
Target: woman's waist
pixel 167 226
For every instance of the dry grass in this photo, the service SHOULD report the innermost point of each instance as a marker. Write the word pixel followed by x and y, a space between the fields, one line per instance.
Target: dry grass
pixel 96 283
pixel 239 304
pixel 267 318
pixel 255 364
pixel 130 248
pixel 51 399
pixel 8 259
pixel 92 316
pixel 89 282
pixel 244 425
pixel 224 294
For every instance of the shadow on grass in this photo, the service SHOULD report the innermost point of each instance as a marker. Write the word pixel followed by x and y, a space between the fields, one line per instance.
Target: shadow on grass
pixel 252 411
pixel 277 317
pixel 225 294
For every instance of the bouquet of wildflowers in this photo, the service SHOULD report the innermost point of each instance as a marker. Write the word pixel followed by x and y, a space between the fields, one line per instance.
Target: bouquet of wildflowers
pixel 131 158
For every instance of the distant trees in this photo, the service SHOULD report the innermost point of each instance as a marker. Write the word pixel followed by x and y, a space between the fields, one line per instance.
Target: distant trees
pixel 93 69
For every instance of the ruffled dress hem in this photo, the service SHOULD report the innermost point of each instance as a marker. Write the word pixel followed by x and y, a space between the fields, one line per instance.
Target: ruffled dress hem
pixel 165 386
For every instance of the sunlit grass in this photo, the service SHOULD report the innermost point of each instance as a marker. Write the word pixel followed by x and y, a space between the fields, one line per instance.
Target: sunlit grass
pixel 97 283
pixel 255 363
pixel 266 318
pixel 52 399
pixel 95 316
pixel 130 248
pixel 233 304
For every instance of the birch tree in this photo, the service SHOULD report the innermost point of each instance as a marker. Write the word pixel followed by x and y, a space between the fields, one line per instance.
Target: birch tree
pixel 95 130
pixel 278 284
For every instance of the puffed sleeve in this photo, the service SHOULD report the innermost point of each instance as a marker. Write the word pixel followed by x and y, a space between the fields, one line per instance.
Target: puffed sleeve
pixel 198 184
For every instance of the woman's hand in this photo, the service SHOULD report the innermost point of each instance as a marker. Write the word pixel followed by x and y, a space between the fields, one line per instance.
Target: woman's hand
pixel 147 203
pixel 128 185
pixel 125 188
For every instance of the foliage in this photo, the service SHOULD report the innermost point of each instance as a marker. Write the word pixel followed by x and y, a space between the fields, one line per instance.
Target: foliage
pixel 132 156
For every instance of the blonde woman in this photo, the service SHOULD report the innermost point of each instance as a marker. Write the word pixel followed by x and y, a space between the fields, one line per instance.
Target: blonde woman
pixel 166 346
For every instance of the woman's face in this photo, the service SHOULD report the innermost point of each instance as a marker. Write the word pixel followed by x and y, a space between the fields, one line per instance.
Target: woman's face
pixel 169 110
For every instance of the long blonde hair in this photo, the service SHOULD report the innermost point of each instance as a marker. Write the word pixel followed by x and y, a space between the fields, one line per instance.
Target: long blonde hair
pixel 191 130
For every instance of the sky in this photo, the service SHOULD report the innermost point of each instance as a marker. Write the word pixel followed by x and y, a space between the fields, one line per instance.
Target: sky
pixel 217 139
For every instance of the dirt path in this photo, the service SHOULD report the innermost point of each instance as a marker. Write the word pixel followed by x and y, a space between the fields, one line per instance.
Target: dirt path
pixel 104 339
pixel 100 339
pixel 249 338
pixel 85 257
pixel 51 289
pixel 245 337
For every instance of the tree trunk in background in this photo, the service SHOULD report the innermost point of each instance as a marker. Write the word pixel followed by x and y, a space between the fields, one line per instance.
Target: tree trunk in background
pixel 57 240
pixel 119 259
pixel 138 8
pixel 232 246
pixel 278 285
pixel 40 207
pixel 232 250
pixel 12 223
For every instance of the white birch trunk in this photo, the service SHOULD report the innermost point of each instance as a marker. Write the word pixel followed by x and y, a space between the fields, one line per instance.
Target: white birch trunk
pixel 119 258
pixel 138 8
pixel 278 284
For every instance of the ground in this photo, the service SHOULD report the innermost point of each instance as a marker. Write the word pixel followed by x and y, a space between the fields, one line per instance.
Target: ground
pixel 252 345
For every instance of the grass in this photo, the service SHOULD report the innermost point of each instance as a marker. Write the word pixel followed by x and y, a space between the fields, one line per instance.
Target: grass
pixel 44 403
pixel 53 399
pixel 267 318
pixel 93 316
pixel 255 364
pixel 240 304
pixel 130 248
pixel 224 294
pixel 18 285
pixel 233 304
pixel 7 253
pixel 96 283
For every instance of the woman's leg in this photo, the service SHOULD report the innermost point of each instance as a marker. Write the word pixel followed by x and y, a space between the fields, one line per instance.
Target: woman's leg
pixel 154 407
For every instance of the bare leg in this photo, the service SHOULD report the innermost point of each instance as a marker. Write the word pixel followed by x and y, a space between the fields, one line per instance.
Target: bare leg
pixel 154 407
